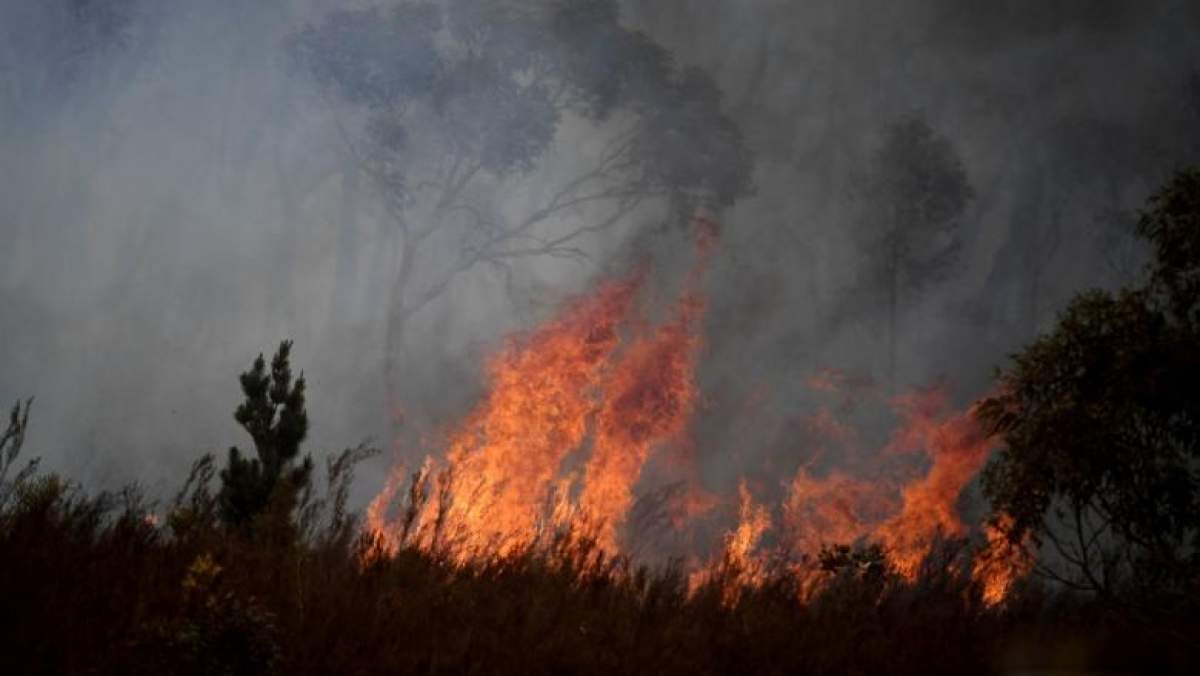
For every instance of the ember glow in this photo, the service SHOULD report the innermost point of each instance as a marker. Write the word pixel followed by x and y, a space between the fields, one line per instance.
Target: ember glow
pixel 576 409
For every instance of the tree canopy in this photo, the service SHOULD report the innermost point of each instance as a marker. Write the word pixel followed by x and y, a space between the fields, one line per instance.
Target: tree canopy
pixel 914 192
pixel 494 82
pixel 913 195
pixel 1101 420
pixel 496 132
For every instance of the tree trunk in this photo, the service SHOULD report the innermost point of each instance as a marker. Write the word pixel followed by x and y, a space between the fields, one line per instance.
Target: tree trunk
pixel 393 345
pixel 345 262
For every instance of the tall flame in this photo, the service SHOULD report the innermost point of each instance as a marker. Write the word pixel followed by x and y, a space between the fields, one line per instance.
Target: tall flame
pixel 575 409
pixel 502 462
pixel 958 449
pixel 541 396
pixel 550 392
pixel 648 401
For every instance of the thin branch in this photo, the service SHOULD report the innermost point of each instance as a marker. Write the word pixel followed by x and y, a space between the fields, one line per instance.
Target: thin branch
pixel 558 243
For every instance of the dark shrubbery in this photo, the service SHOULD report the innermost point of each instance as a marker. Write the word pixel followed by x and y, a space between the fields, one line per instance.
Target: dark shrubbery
pixel 1100 419
pixel 93 585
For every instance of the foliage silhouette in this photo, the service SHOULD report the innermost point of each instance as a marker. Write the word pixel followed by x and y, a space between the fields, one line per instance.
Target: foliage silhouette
pixel 914 194
pixel 274 416
pixel 1101 419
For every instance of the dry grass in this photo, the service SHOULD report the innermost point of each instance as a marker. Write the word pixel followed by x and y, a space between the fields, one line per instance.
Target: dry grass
pixel 91 584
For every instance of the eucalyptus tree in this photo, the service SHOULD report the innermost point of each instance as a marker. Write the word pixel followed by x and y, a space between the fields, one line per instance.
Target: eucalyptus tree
pixel 455 111
pixel 914 195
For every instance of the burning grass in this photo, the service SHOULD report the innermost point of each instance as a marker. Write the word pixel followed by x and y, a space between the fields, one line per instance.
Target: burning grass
pixel 91 585
pixel 577 408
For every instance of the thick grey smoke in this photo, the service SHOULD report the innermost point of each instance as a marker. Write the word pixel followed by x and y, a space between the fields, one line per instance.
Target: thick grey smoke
pixel 177 195
pixel 1066 116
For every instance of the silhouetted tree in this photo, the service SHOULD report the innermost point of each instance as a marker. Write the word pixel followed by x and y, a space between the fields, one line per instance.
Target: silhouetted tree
pixel 460 102
pixel 1101 419
pixel 274 415
pixel 914 193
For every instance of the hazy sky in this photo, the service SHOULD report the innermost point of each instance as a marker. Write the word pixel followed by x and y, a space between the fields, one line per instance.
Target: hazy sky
pixel 177 196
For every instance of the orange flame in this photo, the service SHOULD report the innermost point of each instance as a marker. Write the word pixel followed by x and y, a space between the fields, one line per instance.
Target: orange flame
pixel 501 464
pixel 907 520
pixel 958 449
pixel 649 400
pixel 739 561
pixel 838 509
pixel 753 522
pixel 573 413
pixel 542 393
pixel 1001 563
pixel 547 392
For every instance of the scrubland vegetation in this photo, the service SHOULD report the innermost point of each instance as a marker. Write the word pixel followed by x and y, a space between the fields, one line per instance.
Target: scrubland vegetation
pixel 91 584
pixel 262 567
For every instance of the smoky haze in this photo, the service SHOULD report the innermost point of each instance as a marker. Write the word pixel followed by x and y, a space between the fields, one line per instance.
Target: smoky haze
pixel 178 194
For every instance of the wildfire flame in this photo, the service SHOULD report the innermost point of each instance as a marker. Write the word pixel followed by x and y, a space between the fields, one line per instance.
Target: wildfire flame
pixel 502 462
pixel 549 394
pixel 1002 563
pixel 958 450
pixel 739 560
pixel 575 409
pixel 648 400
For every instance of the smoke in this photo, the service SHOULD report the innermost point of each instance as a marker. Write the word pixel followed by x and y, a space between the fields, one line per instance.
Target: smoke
pixel 1066 116
pixel 176 195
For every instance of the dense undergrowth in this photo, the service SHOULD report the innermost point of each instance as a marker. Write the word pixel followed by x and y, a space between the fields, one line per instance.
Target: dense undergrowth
pixel 95 584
